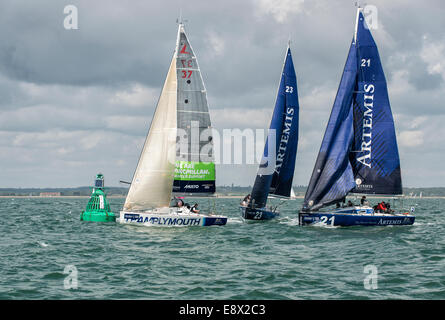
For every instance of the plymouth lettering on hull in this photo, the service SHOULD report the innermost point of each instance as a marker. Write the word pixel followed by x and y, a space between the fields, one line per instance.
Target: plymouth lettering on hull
pixel 162 221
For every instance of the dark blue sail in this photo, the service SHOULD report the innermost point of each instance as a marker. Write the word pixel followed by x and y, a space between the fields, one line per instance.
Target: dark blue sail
pixel 332 177
pixel 276 178
pixel 375 156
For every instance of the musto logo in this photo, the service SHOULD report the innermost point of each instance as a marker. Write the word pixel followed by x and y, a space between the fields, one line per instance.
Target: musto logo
pixel 191 186
pixel 162 221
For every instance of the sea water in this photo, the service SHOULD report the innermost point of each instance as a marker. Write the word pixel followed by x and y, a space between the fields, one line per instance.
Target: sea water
pixel 46 252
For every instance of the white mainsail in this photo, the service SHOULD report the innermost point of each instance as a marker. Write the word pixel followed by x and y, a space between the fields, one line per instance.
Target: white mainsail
pixel 152 182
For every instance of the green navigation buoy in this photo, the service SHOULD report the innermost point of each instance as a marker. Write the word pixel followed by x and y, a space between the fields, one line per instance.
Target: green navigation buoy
pixel 98 208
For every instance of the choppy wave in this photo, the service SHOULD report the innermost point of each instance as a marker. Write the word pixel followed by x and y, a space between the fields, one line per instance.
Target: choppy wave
pixel 44 245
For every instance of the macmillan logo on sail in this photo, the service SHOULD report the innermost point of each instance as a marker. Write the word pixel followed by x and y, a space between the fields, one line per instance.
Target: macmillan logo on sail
pixel 368 103
pixel 284 138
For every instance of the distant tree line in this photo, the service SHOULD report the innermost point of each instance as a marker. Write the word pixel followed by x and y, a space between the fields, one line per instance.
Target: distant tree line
pixel 79 191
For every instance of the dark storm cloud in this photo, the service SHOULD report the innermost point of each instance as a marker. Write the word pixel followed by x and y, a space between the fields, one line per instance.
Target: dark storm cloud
pixel 76 101
pixel 114 43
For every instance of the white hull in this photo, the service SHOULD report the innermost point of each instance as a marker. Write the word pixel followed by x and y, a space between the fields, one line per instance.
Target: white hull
pixel 170 217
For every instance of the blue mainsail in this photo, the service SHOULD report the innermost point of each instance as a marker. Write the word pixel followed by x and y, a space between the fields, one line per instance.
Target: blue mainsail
pixel 359 150
pixel 375 162
pixel 284 123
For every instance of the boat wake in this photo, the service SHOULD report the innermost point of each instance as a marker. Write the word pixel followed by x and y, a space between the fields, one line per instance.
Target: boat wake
pixel 234 220
pixel 288 221
pixel 326 225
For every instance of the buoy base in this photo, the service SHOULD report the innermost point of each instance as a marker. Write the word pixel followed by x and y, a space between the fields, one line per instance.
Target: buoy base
pixel 97 216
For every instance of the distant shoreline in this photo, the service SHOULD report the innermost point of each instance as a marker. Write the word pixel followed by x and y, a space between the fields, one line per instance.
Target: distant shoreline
pixel 117 197
pixel 217 196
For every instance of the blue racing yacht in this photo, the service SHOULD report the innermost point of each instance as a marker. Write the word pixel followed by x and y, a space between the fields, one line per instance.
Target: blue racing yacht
pixel 359 153
pixel 276 171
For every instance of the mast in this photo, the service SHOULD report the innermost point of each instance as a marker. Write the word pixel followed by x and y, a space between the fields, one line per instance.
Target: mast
pixel 359 9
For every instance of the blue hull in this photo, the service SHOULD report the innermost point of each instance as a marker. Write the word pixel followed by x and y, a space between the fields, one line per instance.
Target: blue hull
pixel 214 221
pixel 257 214
pixel 347 220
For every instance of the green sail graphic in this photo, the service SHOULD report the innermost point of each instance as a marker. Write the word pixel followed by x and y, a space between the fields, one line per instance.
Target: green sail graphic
pixel 194 171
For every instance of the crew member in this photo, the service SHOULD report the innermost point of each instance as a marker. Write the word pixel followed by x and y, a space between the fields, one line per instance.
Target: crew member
pixel 381 207
pixel 245 201
pixel 195 209
pixel 364 202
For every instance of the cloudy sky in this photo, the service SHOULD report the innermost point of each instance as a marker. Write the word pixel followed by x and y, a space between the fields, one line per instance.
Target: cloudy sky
pixel 77 102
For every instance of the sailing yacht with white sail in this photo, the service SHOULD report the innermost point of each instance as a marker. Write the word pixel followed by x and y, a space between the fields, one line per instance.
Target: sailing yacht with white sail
pixel 293 196
pixel 359 153
pixel 168 164
pixel 276 171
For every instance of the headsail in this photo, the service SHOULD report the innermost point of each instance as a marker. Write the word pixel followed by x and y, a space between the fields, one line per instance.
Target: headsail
pixel 375 162
pixel 359 150
pixel 284 123
pixel 151 186
pixel 332 177
pixel 195 168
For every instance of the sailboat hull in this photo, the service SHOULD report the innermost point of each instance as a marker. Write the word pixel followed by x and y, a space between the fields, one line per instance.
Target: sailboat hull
pixel 171 218
pixel 257 213
pixel 354 219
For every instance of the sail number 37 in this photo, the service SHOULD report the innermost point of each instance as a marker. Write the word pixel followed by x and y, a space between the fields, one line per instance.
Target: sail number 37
pixel 186 64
